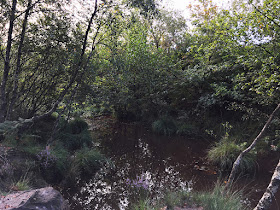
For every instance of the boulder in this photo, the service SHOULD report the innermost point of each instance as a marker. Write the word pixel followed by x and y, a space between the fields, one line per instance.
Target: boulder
pixel 41 199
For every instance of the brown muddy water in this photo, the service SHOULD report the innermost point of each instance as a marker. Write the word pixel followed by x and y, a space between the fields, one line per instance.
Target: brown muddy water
pixel 165 163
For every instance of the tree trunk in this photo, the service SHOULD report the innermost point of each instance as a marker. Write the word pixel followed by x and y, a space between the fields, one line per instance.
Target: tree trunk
pixel 77 69
pixel 266 200
pixel 247 150
pixel 19 54
pixel 3 102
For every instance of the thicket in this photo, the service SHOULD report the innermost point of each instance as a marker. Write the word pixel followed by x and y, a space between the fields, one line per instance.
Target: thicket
pixel 136 62
pixel 70 155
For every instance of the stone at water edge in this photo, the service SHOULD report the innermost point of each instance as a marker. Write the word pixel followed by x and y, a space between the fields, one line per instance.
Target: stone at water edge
pixel 41 199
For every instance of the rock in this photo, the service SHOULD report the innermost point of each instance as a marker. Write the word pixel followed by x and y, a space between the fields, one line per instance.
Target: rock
pixel 42 199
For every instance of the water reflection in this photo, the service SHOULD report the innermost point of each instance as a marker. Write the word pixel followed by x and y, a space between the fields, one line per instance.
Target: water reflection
pixel 163 163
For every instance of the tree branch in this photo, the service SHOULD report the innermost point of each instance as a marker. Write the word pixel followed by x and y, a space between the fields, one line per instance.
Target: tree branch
pixel 77 69
pixel 266 16
pixel 248 149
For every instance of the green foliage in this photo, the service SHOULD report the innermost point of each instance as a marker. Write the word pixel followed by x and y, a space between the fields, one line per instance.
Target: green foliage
pixel 62 155
pixel 74 135
pixel 219 198
pixel 8 127
pixel 225 152
pixel 148 7
pixel 135 77
pixel 88 161
pixel 143 205
pixel 187 129
pixel 172 199
pixel 22 184
pixel 12 127
pixel 77 126
pixel 30 144
pixel 165 126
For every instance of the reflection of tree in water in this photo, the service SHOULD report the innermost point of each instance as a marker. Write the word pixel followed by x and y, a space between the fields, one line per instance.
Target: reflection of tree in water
pixel 136 154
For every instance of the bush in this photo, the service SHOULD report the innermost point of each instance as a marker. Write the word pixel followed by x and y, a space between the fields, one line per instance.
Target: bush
pixel 165 126
pixel 77 126
pixel 30 144
pixel 75 141
pixel 74 135
pixel 225 152
pixel 88 161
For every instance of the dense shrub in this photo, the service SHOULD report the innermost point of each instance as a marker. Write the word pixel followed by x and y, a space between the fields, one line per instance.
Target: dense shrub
pixel 165 126
pixel 88 161
pixel 77 126
pixel 74 135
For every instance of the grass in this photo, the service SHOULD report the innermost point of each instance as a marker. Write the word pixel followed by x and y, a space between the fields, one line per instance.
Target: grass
pixel 225 152
pixel 143 205
pixel 62 158
pixel 88 160
pixel 22 184
pixel 219 199
pixel 172 199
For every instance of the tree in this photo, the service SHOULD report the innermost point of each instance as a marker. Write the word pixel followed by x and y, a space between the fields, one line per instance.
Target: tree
pixel 266 200
pixel 46 41
pixel 3 105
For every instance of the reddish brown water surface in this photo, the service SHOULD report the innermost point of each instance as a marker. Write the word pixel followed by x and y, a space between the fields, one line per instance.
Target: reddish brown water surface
pixel 165 163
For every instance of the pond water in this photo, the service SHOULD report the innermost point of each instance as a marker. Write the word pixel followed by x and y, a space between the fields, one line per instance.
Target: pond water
pixel 160 163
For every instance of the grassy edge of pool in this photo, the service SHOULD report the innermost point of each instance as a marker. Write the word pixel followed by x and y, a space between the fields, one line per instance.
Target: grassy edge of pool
pixel 217 198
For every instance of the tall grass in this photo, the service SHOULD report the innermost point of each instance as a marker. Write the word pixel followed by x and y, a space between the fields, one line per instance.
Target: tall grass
pixel 225 152
pixel 219 199
pixel 88 160
pixel 143 205
pixel 22 184
pixel 172 199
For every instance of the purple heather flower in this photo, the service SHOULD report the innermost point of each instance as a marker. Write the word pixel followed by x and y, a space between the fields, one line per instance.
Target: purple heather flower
pixel 139 182
pixel 46 158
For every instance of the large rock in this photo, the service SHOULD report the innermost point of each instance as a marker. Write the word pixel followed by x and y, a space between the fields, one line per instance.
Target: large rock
pixel 41 199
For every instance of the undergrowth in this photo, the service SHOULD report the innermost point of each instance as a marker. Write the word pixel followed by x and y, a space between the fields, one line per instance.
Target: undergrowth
pixel 219 198
pixel 70 154
pixel 225 152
